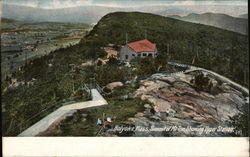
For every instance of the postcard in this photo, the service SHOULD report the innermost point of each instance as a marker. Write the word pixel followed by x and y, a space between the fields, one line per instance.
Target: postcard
pixel 125 70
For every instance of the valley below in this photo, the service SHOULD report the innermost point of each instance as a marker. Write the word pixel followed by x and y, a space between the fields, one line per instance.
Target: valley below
pixel 22 42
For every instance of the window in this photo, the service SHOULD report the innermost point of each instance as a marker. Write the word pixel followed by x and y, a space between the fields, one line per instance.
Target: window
pixel 139 55
pixel 144 54
pixel 126 56
pixel 150 55
pixel 133 55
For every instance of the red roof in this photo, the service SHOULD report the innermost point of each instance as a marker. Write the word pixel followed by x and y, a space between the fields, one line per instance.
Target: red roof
pixel 142 46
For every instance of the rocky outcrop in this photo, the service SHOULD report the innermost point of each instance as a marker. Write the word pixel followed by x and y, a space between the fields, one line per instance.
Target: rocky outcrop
pixel 110 51
pixel 178 108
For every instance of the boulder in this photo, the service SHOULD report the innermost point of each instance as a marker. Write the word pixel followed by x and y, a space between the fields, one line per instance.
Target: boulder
pixel 84 115
pixel 109 87
pixel 139 114
pixel 88 63
pixel 83 119
pixel 147 106
pixel 160 105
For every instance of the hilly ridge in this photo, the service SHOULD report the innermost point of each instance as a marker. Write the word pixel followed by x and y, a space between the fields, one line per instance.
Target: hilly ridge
pixel 245 16
pixel 72 15
pixel 223 21
pixel 79 14
pixel 217 49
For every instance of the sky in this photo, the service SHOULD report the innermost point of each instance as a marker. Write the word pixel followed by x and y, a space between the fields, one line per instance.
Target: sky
pixel 56 4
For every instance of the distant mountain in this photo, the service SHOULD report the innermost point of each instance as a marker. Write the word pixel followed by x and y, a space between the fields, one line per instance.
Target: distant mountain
pixel 91 14
pixel 81 14
pixel 223 21
pixel 245 16
pixel 6 20
pixel 174 11
pixel 87 14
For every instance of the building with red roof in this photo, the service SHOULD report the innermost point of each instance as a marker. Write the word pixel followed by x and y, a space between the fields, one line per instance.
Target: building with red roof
pixel 138 49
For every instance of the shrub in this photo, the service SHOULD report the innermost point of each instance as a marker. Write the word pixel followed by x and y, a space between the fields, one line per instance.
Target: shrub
pixel 240 123
pixel 113 61
pixel 202 82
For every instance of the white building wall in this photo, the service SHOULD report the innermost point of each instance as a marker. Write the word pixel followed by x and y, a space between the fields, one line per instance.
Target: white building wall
pixel 127 54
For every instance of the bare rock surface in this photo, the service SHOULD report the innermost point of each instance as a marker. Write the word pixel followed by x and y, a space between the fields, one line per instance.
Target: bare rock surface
pixel 177 108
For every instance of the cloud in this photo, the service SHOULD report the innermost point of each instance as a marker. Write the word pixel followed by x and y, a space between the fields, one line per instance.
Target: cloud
pixel 57 4
pixel 49 4
pixel 109 5
pixel 207 2
pixel 23 3
pixel 184 2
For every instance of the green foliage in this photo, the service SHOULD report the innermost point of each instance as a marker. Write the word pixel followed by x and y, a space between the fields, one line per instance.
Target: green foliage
pixel 110 73
pixel 52 85
pixel 241 124
pixel 147 66
pixel 118 107
pixel 113 61
pixel 202 82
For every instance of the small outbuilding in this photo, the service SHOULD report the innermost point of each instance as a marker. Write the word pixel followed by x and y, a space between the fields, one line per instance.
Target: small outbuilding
pixel 138 49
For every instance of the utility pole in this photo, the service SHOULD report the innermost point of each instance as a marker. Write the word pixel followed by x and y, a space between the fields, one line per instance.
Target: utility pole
pixel 72 74
pixel 92 82
pixel 197 52
pixel 210 57
pixel 103 116
pixel 126 38
pixel 193 60
pixel 168 48
pixel 245 76
pixel 11 65
pixel 26 64
pixel 246 64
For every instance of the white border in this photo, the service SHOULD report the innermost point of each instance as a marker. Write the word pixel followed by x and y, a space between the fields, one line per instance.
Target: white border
pixel 125 146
